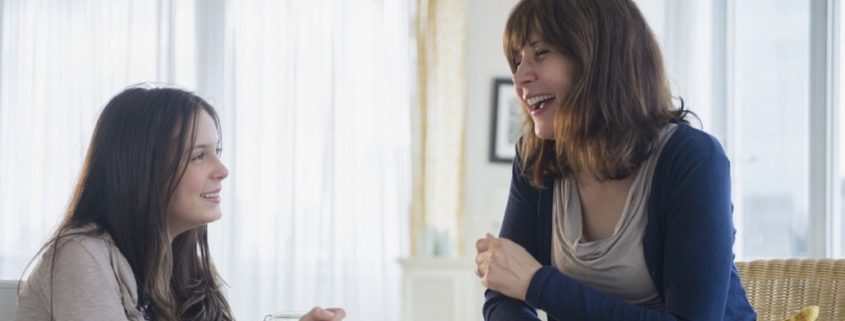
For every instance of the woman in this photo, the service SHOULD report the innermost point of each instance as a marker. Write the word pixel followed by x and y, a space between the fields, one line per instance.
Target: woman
pixel 133 244
pixel 618 210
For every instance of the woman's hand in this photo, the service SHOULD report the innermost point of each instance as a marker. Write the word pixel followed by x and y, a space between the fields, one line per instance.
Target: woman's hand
pixel 504 266
pixel 320 314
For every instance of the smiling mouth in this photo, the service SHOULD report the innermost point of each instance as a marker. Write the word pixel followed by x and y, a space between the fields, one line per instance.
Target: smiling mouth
pixel 537 101
pixel 212 195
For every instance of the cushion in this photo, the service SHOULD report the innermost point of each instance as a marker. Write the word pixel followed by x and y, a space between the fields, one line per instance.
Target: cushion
pixel 808 313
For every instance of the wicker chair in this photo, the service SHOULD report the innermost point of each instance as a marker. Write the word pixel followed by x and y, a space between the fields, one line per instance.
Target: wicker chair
pixel 779 288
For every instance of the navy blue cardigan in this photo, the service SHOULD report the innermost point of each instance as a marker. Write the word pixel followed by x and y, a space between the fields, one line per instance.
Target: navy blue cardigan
pixel 687 245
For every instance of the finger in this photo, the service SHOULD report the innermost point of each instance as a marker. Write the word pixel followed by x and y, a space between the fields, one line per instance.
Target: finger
pixel 508 246
pixel 491 278
pixel 319 314
pixel 339 313
pixel 482 245
pixel 481 257
pixel 484 269
pixel 485 243
pixel 326 315
pixel 484 277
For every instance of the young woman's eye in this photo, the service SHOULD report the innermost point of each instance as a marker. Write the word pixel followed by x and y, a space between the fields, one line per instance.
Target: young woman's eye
pixel 540 52
pixel 199 156
pixel 218 151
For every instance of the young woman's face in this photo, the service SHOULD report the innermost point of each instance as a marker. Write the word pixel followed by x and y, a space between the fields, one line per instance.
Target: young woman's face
pixel 543 79
pixel 196 200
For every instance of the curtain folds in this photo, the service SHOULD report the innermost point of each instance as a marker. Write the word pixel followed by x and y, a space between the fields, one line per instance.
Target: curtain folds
pixel 440 118
pixel 319 155
pixel 314 99
pixel 60 63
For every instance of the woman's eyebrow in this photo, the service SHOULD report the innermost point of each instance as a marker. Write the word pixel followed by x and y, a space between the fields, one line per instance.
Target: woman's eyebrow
pixel 201 146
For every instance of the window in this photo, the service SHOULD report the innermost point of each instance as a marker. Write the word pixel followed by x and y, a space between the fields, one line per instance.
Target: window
pixel 770 133
pixel 839 102
pixel 762 76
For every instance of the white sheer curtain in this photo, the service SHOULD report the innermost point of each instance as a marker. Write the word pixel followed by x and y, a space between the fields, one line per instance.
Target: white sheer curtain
pixel 314 98
pixel 691 36
pixel 318 107
pixel 60 62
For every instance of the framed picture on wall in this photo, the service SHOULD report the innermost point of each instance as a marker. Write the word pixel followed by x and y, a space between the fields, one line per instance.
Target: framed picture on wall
pixel 506 124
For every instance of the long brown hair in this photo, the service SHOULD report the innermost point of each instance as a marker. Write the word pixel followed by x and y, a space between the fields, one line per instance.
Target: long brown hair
pixel 135 160
pixel 608 124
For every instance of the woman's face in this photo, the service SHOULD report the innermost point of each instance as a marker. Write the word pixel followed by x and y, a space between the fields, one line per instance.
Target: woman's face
pixel 543 79
pixel 196 200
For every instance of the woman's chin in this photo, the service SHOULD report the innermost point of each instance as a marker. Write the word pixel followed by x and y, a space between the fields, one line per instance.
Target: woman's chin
pixel 544 133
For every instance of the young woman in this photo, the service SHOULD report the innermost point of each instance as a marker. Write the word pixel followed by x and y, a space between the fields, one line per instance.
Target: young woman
pixel 618 210
pixel 133 244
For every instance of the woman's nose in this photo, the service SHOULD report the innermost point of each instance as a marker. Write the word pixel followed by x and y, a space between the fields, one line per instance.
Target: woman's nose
pixel 221 172
pixel 524 73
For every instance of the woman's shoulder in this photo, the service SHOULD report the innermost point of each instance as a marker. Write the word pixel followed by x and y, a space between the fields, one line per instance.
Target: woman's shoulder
pixel 83 252
pixel 690 144
pixel 89 238
pixel 76 251
pixel 73 250
pixel 82 261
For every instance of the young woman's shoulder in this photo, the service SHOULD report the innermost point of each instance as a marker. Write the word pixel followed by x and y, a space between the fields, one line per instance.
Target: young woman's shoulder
pixel 75 253
pixel 82 273
pixel 87 242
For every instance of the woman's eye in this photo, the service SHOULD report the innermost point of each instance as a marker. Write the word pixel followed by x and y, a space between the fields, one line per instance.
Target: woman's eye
pixel 218 151
pixel 540 52
pixel 199 156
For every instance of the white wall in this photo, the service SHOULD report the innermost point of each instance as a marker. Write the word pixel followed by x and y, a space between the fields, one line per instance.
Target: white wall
pixel 485 184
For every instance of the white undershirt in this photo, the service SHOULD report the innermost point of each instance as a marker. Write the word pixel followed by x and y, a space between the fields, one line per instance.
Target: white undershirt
pixel 614 266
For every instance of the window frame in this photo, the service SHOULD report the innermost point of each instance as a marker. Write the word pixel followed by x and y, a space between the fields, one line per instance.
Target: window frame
pixel 825 225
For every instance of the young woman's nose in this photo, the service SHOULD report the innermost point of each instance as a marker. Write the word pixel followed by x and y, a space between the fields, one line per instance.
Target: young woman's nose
pixel 221 171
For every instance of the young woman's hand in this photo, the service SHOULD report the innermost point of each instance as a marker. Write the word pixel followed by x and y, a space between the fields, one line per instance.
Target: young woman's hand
pixel 320 314
pixel 504 266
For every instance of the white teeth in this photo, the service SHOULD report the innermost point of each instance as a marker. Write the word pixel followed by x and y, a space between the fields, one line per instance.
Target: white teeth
pixel 210 195
pixel 533 101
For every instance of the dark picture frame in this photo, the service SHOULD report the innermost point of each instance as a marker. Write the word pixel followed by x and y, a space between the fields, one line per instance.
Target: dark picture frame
pixel 506 121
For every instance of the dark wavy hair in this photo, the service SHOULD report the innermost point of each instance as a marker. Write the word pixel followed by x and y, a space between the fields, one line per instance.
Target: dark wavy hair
pixel 136 158
pixel 608 124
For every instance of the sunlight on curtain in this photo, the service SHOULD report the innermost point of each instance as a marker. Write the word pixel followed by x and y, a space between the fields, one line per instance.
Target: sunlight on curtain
pixel 314 99
pixel 687 32
pixel 317 139
pixel 439 127
pixel 60 63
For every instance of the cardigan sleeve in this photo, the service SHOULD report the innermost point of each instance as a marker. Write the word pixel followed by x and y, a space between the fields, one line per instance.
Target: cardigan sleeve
pixel 84 285
pixel 519 225
pixel 697 254
pixel 699 234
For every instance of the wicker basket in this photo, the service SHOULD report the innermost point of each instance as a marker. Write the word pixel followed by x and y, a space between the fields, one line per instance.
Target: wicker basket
pixel 779 288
